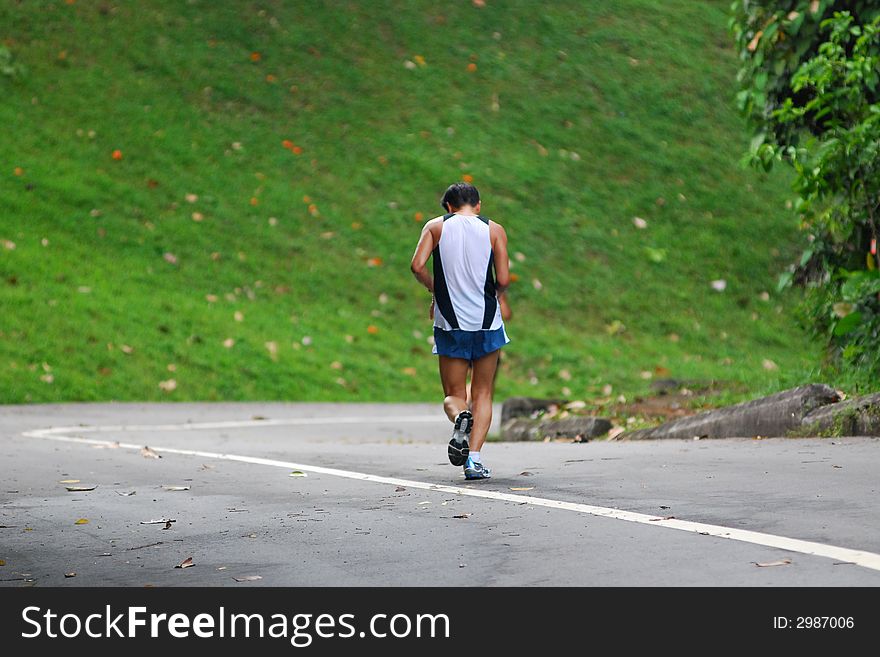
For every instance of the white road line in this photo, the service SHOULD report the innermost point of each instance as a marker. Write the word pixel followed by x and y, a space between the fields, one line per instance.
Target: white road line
pixel 233 424
pixel 859 557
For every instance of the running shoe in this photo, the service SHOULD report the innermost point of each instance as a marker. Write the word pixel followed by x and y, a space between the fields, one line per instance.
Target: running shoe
pixel 458 446
pixel 475 470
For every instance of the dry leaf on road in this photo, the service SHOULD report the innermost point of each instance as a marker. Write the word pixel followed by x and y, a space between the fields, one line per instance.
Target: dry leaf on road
pixel 247 578
pixel 69 575
pixel 522 488
pixel 186 563
pixel 298 473
pixel 80 489
pixel 82 521
pixel 158 521
pixel 781 562
pixel 147 453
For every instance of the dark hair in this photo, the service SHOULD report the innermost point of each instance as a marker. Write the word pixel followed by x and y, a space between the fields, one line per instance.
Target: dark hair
pixel 459 195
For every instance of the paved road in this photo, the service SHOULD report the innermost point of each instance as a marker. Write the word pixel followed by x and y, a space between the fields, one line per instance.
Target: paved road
pixel 359 525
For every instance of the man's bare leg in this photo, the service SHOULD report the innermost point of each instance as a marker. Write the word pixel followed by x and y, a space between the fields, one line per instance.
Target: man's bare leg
pixel 482 387
pixel 453 376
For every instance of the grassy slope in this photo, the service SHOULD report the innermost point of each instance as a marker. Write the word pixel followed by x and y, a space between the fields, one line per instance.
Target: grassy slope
pixel 641 91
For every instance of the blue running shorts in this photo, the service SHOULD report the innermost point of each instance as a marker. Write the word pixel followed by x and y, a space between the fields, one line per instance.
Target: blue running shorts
pixel 469 345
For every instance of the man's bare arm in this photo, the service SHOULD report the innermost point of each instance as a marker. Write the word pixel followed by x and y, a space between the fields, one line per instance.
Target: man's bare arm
pixel 506 312
pixel 419 263
pixel 499 253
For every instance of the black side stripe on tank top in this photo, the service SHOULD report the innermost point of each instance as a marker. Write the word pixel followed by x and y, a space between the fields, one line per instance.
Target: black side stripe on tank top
pixel 489 288
pixel 490 293
pixel 441 292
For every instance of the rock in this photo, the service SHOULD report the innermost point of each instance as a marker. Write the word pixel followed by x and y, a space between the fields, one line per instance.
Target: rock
pixel 667 386
pixel 519 429
pixel 775 415
pixel 526 407
pixel 676 386
pixel 580 428
pixel 854 417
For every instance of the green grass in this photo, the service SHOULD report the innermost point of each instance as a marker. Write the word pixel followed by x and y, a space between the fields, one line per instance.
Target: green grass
pixel 579 117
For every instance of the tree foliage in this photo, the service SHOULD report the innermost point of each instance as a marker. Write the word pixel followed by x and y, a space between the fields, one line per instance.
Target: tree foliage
pixel 810 91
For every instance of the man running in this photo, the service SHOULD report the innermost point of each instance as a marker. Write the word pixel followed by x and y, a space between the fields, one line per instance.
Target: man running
pixel 470 270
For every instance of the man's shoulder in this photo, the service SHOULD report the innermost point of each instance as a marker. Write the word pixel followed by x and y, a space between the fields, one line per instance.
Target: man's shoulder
pixel 495 227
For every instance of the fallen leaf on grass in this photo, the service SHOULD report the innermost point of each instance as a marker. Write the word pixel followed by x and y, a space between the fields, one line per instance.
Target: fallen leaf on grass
pixel 186 563
pixel 82 521
pixel 175 487
pixel 147 453
pixel 781 562
pixel 69 575
pixel 248 578
pixel 522 488
pixel 169 385
pixel 298 473
pixel 80 489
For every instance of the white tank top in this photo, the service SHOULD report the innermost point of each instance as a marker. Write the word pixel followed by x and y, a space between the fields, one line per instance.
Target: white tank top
pixel 464 276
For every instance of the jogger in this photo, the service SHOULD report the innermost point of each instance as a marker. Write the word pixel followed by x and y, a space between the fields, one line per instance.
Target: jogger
pixel 470 271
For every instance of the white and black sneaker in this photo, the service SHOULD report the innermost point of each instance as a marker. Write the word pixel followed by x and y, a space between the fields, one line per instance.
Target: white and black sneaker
pixel 458 446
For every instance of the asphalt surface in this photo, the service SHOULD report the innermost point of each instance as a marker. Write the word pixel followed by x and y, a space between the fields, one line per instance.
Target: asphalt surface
pixel 254 520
